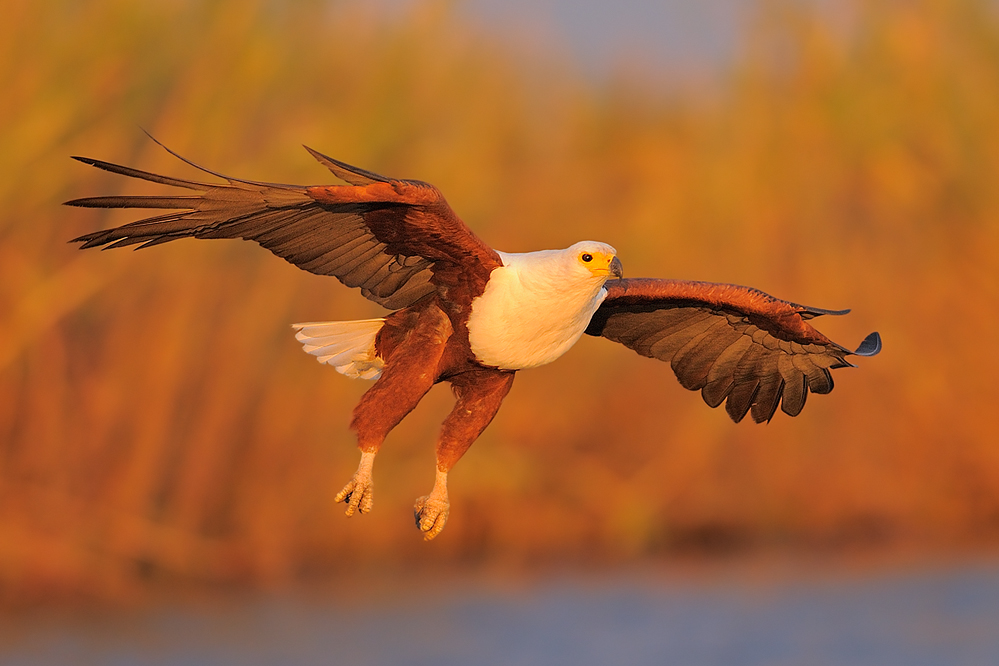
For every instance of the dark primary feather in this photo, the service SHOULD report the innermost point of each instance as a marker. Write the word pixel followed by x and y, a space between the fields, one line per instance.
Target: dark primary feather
pixel 733 344
pixel 396 240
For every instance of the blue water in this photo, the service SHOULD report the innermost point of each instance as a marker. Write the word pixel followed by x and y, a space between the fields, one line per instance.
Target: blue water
pixel 946 616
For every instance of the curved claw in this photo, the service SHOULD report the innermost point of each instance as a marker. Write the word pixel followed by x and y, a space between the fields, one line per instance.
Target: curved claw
pixel 431 515
pixel 359 493
pixel 431 510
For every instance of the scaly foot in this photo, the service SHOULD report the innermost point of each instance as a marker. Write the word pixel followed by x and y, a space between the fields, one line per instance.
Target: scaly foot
pixel 358 494
pixel 431 510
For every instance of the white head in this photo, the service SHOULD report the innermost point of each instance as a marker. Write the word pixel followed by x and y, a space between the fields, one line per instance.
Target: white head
pixel 598 260
pixel 581 268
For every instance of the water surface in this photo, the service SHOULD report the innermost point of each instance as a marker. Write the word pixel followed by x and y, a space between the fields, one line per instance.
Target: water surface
pixel 931 615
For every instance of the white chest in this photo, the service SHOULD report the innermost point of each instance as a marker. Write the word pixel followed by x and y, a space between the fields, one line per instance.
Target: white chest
pixel 522 321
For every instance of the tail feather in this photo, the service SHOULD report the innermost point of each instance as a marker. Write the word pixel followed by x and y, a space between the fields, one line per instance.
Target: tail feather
pixel 348 346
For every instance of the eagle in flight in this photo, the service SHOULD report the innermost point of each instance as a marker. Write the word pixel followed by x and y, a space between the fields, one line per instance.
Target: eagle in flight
pixel 472 316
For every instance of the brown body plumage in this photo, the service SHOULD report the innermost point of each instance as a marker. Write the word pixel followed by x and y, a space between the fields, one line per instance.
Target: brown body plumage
pixel 403 246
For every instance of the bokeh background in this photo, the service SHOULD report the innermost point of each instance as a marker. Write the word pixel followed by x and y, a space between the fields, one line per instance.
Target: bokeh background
pixel 161 429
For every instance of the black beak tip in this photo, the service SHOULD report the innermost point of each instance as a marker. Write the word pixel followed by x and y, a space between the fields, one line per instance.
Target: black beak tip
pixel 616 268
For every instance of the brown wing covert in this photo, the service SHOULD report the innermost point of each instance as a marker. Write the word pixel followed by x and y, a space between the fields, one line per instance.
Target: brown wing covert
pixel 733 344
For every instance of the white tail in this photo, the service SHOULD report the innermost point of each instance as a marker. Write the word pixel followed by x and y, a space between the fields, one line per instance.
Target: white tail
pixel 349 346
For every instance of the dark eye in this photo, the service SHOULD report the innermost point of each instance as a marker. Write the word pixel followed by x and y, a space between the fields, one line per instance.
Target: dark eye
pixel 586 257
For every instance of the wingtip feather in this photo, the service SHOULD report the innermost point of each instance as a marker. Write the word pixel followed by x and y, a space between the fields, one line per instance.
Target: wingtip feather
pixel 346 172
pixel 809 312
pixel 871 345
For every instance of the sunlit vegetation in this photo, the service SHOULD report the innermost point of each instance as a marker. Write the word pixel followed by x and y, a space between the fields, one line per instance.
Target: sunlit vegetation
pixel 158 422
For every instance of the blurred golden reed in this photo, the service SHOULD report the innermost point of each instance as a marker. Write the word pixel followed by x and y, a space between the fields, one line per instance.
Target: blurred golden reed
pixel 159 423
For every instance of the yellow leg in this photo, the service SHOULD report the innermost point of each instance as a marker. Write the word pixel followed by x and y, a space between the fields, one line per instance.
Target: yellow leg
pixel 358 494
pixel 431 510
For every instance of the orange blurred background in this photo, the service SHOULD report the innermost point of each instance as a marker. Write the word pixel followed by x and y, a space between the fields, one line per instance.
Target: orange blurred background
pixel 160 425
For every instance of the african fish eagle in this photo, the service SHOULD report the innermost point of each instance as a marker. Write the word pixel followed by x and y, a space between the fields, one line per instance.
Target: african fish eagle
pixel 472 316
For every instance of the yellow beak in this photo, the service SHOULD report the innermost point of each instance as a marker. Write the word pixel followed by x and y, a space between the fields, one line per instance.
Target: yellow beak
pixel 616 268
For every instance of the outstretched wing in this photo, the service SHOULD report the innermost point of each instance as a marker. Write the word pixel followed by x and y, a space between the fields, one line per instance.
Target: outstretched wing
pixel 398 240
pixel 727 341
